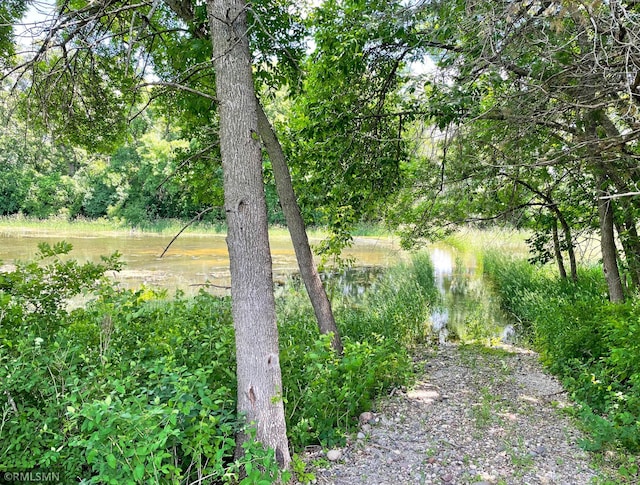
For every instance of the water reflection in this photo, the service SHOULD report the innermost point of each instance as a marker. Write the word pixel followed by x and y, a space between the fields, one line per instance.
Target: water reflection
pixel 352 282
pixel 468 311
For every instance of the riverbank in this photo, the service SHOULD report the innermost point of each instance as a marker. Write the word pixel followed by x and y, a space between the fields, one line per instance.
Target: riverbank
pixel 161 227
pixel 476 415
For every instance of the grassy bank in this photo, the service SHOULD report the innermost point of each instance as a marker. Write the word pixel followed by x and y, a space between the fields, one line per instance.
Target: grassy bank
pixel 82 225
pixel 165 227
pixel 590 343
pixel 133 388
pixel 508 241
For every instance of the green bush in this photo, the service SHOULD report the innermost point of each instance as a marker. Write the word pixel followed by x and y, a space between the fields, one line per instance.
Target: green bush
pixel 325 393
pixel 136 388
pixel 592 344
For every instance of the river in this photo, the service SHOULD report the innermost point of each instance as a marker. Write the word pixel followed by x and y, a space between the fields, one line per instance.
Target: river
pixel 192 260
pixel 467 309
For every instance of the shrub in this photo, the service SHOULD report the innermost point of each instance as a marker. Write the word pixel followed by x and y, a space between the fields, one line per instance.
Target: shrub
pixel 592 344
pixel 325 393
pixel 136 388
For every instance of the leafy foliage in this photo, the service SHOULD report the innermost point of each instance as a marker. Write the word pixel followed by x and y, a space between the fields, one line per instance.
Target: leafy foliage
pixel 134 388
pixel 324 392
pixel 589 342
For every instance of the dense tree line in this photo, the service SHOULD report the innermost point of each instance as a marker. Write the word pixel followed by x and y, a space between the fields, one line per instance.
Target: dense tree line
pixel 137 182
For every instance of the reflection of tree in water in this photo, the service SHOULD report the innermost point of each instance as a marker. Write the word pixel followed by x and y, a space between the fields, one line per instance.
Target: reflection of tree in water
pixel 352 282
pixel 468 309
pixel 346 282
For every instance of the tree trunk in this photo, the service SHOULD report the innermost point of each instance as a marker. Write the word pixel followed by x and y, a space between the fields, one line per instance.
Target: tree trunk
pixel 297 230
pixel 628 236
pixel 253 303
pixel 556 250
pixel 608 247
pixel 634 248
pixel 566 230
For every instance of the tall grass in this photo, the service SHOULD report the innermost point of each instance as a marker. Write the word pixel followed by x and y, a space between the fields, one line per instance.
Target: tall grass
pixel 83 225
pixel 325 393
pixel 509 241
pixel 62 224
pixel 590 343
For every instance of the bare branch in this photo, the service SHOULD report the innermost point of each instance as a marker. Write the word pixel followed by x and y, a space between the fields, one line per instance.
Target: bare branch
pixel 196 218
pixel 178 86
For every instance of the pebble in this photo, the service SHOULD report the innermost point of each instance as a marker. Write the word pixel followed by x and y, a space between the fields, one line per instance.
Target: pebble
pixel 441 441
pixel 366 417
pixel 334 455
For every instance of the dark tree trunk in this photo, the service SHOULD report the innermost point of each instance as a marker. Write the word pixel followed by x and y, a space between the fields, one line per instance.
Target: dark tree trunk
pixel 253 304
pixel 297 230
pixel 608 247
pixel 556 250
pixel 634 248
pixel 629 240
pixel 566 231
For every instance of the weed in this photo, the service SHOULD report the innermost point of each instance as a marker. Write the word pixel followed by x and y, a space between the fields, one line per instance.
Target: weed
pixel 590 343
pixel 135 388
pixel 483 412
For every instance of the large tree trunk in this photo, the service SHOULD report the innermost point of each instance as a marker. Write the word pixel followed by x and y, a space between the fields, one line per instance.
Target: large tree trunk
pixel 253 303
pixel 297 230
pixel 608 247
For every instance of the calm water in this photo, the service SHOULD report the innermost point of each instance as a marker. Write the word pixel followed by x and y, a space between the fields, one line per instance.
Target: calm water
pixel 192 260
pixel 467 309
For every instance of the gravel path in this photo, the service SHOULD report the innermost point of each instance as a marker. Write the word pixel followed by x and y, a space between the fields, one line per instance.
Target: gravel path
pixel 474 417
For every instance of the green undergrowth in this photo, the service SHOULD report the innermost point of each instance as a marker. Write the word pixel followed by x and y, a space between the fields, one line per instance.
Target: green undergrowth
pixel 135 387
pixel 591 344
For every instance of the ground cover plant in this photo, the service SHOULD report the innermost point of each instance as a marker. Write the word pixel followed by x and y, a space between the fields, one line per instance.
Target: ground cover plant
pixel 589 342
pixel 135 387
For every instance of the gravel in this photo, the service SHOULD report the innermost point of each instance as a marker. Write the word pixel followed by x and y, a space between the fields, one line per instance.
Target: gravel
pixel 474 417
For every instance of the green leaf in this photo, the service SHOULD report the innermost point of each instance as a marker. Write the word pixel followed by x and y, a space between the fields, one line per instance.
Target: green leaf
pixel 111 461
pixel 138 472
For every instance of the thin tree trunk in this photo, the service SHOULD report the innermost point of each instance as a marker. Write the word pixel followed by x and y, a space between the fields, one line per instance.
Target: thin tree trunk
pixel 297 230
pixel 625 249
pixel 563 222
pixel 556 250
pixel 566 230
pixel 634 247
pixel 253 304
pixel 608 247
pixel 628 236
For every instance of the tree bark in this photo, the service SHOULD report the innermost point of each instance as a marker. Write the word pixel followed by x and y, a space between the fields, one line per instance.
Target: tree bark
pixel 633 240
pixel 628 236
pixel 295 224
pixel 253 303
pixel 566 230
pixel 608 248
pixel 556 250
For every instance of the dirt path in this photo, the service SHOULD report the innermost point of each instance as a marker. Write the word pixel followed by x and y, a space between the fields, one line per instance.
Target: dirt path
pixel 474 417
